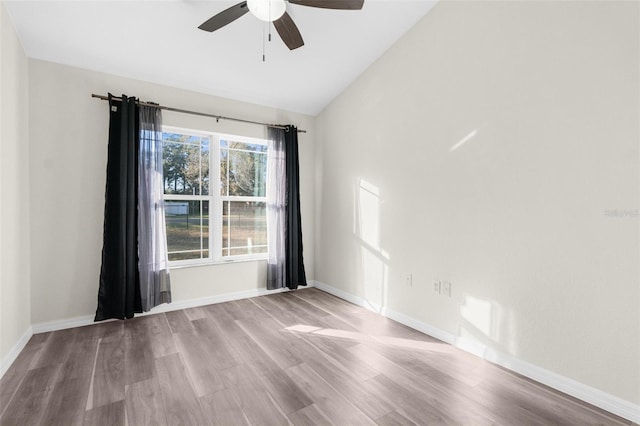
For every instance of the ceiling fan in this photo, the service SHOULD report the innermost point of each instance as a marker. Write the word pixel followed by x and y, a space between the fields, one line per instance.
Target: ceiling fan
pixel 276 11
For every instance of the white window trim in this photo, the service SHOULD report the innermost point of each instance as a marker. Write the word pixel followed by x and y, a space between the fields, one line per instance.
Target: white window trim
pixel 215 199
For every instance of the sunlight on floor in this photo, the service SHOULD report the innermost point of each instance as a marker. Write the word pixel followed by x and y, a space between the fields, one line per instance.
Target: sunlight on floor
pixel 368 338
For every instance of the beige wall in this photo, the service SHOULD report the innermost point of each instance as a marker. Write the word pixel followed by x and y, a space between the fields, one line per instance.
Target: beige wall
pixel 14 189
pixel 68 137
pixel 495 146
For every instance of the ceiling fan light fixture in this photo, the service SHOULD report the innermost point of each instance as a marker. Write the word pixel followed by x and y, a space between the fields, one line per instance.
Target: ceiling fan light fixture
pixel 267 10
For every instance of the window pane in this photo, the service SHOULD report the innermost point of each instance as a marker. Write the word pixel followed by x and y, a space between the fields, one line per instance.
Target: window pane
pixel 187 229
pixel 224 171
pixel 204 165
pixel 246 146
pixel 244 228
pixel 247 173
pixel 246 250
pixel 185 164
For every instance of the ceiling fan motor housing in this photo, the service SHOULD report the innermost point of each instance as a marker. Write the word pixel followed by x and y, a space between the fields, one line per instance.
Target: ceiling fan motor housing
pixel 267 10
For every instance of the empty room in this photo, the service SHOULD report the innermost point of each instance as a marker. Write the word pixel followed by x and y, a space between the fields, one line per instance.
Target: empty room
pixel 333 212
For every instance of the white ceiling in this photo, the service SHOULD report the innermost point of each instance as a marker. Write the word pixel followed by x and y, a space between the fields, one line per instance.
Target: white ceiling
pixel 158 41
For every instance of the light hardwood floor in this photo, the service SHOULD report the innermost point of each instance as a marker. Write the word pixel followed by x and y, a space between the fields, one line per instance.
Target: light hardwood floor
pixel 302 358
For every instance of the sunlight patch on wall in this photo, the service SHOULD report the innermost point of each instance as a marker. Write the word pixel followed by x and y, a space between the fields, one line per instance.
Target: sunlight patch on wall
pixel 486 321
pixel 478 313
pixel 372 259
pixel 463 140
pixel 467 138
pixel 369 213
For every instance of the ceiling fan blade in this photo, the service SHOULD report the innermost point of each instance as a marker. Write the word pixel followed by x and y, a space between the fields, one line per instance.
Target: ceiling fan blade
pixel 225 17
pixel 288 32
pixel 331 4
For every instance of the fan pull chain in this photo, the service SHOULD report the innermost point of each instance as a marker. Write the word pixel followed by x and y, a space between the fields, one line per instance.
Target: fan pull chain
pixel 269 23
pixel 268 30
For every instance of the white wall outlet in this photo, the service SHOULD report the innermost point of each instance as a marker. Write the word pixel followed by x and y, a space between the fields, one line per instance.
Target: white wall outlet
pixel 436 287
pixel 446 289
pixel 408 280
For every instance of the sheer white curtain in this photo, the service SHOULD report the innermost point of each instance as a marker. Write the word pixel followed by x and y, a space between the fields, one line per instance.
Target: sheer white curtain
pixel 155 283
pixel 276 210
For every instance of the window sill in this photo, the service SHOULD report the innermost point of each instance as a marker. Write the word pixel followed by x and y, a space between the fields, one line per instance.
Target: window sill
pixel 214 262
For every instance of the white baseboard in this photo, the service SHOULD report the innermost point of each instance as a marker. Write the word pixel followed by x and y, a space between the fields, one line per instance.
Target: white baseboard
pixel 356 300
pixel 593 396
pixel 167 307
pixel 15 351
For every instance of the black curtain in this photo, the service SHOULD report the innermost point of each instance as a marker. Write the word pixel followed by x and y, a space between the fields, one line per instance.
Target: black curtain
pixel 295 274
pixel 119 293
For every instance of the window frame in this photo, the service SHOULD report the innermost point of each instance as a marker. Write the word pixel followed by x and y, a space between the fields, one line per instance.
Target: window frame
pixel 215 199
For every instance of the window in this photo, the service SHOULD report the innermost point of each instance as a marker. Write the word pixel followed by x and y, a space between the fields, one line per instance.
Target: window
pixel 215 196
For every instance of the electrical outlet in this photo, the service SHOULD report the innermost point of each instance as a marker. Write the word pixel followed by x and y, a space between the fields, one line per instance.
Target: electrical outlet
pixel 436 287
pixel 408 280
pixel 446 288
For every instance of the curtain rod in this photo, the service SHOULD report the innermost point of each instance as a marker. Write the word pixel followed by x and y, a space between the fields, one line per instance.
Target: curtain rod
pixel 202 114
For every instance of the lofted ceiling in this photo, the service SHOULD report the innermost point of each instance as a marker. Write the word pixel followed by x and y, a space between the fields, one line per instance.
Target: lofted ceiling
pixel 159 41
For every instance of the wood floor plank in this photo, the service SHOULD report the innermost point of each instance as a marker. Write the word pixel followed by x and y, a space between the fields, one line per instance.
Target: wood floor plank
pixel 340 353
pixel 80 361
pixel 527 400
pixel 179 322
pixel 394 418
pixel 109 372
pixel 200 358
pixel 217 344
pixel 420 411
pixel 310 415
pixel 196 313
pixel 274 342
pixel 180 401
pixel 39 338
pixel 13 377
pixel 67 403
pixel 260 408
pixel 290 310
pixel 160 335
pixel 9 384
pixel 244 309
pixel 356 391
pixel 107 415
pixel 101 330
pixel 243 347
pixel 253 396
pixel 223 408
pixel 277 311
pixel 218 312
pixel 329 400
pixel 289 396
pixel 243 376
pixel 429 392
pixel 144 405
pixel 32 397
pixel 138 352
pixel 55 349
